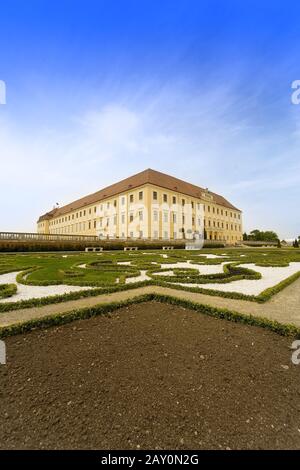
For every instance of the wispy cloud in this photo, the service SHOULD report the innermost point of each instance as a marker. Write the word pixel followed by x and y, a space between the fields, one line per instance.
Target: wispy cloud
pixel 204 135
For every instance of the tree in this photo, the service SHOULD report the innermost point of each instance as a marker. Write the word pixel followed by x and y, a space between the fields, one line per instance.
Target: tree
pixel 278 244
pixel 296 243
pixel 260 236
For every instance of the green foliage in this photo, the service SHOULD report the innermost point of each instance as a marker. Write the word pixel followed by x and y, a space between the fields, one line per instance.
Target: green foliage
pixel 260 236
pixel 64 318
pixel 7 290
pixel 104 274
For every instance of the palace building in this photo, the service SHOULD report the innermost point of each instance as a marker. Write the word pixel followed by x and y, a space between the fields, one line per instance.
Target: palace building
pixel 149 205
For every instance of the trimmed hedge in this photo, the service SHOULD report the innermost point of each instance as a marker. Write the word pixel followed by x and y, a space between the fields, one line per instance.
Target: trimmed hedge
pixel 263 297
pixel 232 272
pixel 7 246
pixel 64 318
pixel 7 290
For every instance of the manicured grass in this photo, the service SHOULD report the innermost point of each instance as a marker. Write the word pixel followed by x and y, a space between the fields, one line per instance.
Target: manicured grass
pixel 60 319
pixel 103 271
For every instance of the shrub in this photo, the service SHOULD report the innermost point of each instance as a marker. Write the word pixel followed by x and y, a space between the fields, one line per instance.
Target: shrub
pixel 7 290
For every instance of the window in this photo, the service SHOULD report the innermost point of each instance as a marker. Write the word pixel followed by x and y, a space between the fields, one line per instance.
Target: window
pixel 193 220
pixel 101 221
pixel 95 223
pixel 141 234
pixel 166 217
pixel 80 214
pixel 115 203
pixel 115 220
pixel 131 234
pixel 131 198
pixel 174 235
pixel 140 216
pixel 90 211
pixel 140 195
pixel 95 209
pixel 174 199
pixel 154 195
pixel 123 218
pixel 155 216
pixel 214 210
pixel 217 210
pixel 76 215
pixel 166 234
pixel 192 204
pixel 89 225
pixel 208 208
pixel 182 202
pixel 107 205
pixel 174 218
pixel 123 201
pixel 165 198
pixel 155 234
pixel 183 220
pixel 131 218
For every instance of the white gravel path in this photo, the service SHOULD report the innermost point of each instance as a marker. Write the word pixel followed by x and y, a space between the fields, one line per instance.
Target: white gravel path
pixel 215 256
pixel 165 273
pixel 142 277
pixel 202 268
pixel 271 276
pixel 35 292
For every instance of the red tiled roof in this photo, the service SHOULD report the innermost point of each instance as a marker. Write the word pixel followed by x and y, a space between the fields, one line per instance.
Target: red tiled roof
pixel 147 176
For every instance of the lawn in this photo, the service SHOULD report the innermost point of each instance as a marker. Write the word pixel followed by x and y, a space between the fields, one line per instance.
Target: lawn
pixel 226 272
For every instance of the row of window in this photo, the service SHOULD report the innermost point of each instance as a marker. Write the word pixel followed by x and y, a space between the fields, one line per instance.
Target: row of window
pixel 207 223
pixel 84 212
pixel 218 224
pixel 75 228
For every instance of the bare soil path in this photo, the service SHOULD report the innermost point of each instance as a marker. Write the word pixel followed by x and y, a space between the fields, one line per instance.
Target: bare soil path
pixel 283 307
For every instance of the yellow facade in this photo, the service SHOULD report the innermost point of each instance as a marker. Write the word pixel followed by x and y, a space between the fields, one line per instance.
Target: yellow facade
pixel 150 212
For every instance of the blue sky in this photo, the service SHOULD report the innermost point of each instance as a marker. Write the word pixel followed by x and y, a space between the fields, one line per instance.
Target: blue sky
pixel 99 90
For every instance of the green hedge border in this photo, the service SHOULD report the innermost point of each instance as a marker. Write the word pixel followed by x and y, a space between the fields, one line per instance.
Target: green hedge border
pixel 7 290
pixel 98 290
pixel 39 302
pixel 85 313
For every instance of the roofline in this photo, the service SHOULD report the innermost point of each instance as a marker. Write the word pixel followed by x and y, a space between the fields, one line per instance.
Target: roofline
pixel 51 214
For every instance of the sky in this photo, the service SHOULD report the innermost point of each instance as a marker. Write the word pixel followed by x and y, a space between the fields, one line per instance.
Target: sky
pixel 99 90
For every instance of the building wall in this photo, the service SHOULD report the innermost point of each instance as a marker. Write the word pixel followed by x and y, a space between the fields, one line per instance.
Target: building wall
pixel 150 212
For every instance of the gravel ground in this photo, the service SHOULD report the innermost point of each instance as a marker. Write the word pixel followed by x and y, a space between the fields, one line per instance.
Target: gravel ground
pixel 150 376
pixel 26 292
